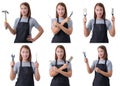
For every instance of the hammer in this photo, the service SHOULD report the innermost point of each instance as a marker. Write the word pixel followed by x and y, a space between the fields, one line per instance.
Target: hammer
pixel 6 12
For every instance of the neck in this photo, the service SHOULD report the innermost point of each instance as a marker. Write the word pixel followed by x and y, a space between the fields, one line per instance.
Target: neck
pixel 59 59
pixel 98 18
pixel 24 60
pixel 24 17
pixel 60 17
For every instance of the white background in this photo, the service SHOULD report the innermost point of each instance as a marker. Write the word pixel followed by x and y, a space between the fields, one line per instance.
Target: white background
pixel 41 10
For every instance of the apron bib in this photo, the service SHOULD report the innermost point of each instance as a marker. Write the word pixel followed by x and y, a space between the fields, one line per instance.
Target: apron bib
pixel 22 32
pixel 25 77
pixel 59 79
pixel 61 37
pixel 99 34
pixel 99 79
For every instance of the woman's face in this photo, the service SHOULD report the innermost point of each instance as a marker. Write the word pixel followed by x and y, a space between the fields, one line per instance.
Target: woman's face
pixel 101 53
pixel 99 11
pixel 25 54
pixel 60 11
pixel 24 10
pixel 59 53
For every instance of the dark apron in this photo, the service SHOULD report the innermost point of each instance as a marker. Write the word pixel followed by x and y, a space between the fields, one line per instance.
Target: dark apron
pixel 61 37
pixel 99 34
pixel 25 77
pixel 99 79
pixel 59 79
pixel 22 32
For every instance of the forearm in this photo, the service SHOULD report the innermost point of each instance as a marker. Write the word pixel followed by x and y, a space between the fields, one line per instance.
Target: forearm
pixel 66 74
pixel 68 31
pixel 53 73
pixel 39 34
pixel 112 30
pixel 107 74
pixel 55 29
pixel 88 68
pixel 12 74
pixel 13 31
pixel 37 75
pixel 86 31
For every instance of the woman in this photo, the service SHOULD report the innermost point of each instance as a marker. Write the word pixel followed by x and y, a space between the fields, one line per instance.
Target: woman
pixel 99 25
pixel 60 69
pixel 102 67
pixel 25 68
pixel 61 25
pixel 23 26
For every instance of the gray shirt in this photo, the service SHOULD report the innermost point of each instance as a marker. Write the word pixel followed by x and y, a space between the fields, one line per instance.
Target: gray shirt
pixel 32 23
pixel 60 63
pixel 70 24
pixel 24 64
pixel 90 24
pixel 108 63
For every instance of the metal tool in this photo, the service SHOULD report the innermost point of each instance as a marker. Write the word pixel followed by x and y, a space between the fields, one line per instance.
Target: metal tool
pixel 112 12
pixel 6 12
pixel 13 56
pixel 71 14
pixel 84 53
pixel 70 59
pixel 36 57
pixel 85 12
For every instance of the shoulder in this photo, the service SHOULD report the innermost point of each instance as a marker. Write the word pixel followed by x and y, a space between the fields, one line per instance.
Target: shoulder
pixel 52 62
pixel 17 64
pixel 91 21
pixel 54 19
pixel 109 62
pixel 32 19
pixel 107 21
pixel 95 62
pixel 17 19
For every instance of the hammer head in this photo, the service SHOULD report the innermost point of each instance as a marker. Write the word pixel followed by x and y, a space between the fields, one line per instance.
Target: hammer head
pixel 5 11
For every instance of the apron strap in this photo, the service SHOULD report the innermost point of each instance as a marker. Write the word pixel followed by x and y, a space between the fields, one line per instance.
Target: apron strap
pixel 29 25
pixel 98 61
pixel 105 62
pixel 20 63
pixel 57 20
pixel 55 62
pixel 30 64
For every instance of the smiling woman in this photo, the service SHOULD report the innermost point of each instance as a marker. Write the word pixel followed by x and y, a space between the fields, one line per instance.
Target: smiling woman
pixel 61 25
pixel 23 26
pixel 99 25
pixel 102 67
pixel 59 69
pixel 25 68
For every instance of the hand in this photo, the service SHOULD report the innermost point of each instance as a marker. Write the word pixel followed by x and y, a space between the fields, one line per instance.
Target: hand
pixel 84 20
pixel 54 68
pixel 55 24
pixel 65 20
pixel 6 24
pixel 97 70
pixel 64 66
pixel 113 19
pixel 30 39
pixel 12 64
pixel 36 64
pixel 85 60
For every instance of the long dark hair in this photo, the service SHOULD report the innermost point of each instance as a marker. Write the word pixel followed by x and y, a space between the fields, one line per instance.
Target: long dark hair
pixel 29 10
pixel 105 52
pixel 30 56
pixel 64 56
pixel 104 13
pixel 61 4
